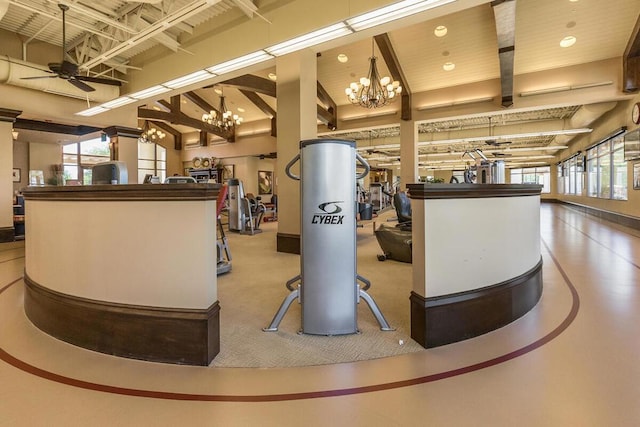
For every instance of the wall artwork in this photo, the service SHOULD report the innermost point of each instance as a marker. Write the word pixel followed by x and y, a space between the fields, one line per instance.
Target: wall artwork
pixel 265 182
pixel 16 175
pixel 636 176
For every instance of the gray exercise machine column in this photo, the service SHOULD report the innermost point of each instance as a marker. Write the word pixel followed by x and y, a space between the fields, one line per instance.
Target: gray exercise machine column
pixel 327 286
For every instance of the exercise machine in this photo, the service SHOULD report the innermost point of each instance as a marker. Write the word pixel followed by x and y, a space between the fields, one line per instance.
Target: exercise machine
pixel 328 284
pixel 245 211
pixel 223 264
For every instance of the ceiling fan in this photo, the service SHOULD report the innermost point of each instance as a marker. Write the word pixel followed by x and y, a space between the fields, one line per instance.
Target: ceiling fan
pixel 67 70
pixel 494 142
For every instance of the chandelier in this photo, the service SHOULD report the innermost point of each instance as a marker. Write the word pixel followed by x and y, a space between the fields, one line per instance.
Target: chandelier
pixel 373 91
pixel 150 134
pixel 223 117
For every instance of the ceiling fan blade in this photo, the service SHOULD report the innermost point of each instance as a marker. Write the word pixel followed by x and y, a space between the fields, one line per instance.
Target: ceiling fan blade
pixel 81 85
pixel 38 77
pixel 98 80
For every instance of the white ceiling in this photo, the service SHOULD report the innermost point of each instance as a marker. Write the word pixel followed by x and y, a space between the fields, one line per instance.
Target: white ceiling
pixel 602 30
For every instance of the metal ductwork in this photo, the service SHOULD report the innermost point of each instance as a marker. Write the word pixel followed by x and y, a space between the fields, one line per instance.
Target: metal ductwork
pixel 12 72
pixel 504 12
pixel 582 118
pixel 4 6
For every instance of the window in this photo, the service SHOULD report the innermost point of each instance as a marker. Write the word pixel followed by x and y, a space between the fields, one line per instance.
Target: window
pixel 79 157
pixel 607 170
pixel 152 159
pixel 571 175
pixel 540 175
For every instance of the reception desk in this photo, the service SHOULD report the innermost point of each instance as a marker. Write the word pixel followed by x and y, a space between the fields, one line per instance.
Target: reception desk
pixel 128 270
pixel 476 258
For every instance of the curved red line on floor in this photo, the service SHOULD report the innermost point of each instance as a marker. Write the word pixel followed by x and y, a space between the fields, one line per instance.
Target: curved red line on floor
pixel 312 394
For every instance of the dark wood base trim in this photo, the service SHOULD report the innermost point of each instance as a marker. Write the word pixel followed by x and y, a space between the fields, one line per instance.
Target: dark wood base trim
pixel 288 243
pixel 7 234
pixel 181 336
pixel 616 218
pixel 451 318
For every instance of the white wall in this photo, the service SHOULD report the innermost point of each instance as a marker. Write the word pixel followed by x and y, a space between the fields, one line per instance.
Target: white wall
pixel 42 157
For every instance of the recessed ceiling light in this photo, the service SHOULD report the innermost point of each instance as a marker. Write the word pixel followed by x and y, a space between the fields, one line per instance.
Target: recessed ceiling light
pixel 440 31
pixel 343 58
pixel 273 77
pixel 240 109
pixel 448 66
pixel 571 24
pixel 445 53
pixel 573 1
pixel 568 41
pixel 218 91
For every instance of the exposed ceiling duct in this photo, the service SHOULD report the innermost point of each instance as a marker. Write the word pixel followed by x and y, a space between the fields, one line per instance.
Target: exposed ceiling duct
pixel 13 71
pixel 585 115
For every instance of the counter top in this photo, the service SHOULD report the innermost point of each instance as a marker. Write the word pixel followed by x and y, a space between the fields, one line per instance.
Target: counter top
pixel 200 191
pixel 469 191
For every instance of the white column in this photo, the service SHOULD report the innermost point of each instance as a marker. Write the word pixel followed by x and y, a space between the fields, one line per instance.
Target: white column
pixel 408 153
pixel 7 117
pixel 297 113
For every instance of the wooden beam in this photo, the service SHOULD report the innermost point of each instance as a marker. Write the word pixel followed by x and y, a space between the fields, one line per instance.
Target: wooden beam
pixel 253 83
pixel 391 59
pixel 264 107
pixel 199 101
pixel 183 119
pixel 79 130
pixel 631 62
pixel 177 136
pixel 332 108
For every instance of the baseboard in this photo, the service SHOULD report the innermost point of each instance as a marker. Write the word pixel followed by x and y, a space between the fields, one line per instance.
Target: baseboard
pixel 616 218
pixel 7 234
pixel 450 318
pixel 157 334
pixel 288 243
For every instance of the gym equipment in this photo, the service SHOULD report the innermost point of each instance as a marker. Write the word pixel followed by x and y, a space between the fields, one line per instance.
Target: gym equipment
pixel 252 213
pixel 236 193
pixel 395 243
pixel 327 286
pixel 222 245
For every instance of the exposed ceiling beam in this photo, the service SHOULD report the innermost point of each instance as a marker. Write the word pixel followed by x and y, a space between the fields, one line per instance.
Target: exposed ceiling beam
pixel 177 136
pixel 504 12
pixel 79 130
pixel 199 101
pixel 175 116
pixel 391 59
pixel 253 83
pixel 631 61
pixel 264 107
pixel 332 108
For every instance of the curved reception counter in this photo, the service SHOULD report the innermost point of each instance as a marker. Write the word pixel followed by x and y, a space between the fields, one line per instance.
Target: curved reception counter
pixel 476 258
pixel 128 270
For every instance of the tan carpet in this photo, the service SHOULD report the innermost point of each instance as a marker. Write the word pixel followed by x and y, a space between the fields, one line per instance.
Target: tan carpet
pixel 252 292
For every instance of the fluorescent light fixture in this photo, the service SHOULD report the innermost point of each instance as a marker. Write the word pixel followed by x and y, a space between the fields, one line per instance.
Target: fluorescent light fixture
pixel 149 92
pixel 507 137
pixel 454 103
pixel 118 102
pixel 195 77
pixel 393 12
pixel 240 62
pixel 368 116
pixel 92 111
pixel 565 88
pixel 310 39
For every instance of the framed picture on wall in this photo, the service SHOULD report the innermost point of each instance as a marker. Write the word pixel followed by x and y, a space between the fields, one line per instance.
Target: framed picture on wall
pixel 16 175
pixel 636 176
pixel 265 182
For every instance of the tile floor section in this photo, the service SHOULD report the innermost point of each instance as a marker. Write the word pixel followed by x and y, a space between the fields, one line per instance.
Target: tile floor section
pixel 571 361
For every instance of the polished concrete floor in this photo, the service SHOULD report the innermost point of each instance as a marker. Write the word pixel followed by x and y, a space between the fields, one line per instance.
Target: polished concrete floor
pixel 572 361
